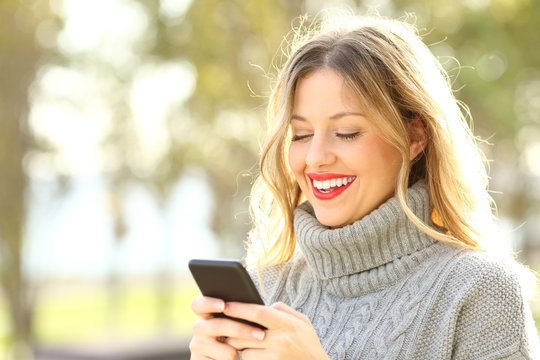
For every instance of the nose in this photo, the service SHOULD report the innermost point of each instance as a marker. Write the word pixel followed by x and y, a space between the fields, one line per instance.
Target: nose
pixel 320 153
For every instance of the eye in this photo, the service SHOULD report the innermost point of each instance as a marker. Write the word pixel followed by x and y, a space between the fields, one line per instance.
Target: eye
pixel 348 136
pixel 300 137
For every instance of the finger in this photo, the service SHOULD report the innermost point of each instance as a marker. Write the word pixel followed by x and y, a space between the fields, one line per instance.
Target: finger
pixel 219 327
pixel 289 310
pixel 241 344
pixel 260 314
pixel 195 356
pixel 207 348
pixel 256 354
pixel 205 306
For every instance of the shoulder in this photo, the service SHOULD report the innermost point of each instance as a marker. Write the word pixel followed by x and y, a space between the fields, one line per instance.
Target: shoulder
pixel 491 292
pixel 483 270
pixel 489 280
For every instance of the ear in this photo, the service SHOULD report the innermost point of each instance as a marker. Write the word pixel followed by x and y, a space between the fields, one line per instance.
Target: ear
pixel 418 137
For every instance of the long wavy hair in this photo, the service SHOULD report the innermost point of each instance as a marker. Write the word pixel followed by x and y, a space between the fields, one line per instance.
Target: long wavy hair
pixel 396 79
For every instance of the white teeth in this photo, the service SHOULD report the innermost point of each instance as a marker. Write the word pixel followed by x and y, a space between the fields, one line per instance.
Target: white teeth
pixel 336 182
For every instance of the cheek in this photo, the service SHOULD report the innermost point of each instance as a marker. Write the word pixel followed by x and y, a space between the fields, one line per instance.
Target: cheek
pixel 392 154
pixel 390 157
pixel 377 157
pixel 297 163
pixel 296 160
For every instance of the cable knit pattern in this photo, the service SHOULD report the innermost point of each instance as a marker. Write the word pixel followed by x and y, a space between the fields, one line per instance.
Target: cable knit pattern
pixel 382 289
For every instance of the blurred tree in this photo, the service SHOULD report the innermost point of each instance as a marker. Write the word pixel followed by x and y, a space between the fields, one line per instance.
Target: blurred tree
pixel 230 45
pixel 19 59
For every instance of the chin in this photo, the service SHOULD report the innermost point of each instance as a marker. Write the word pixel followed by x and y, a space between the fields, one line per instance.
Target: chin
pixel 330 221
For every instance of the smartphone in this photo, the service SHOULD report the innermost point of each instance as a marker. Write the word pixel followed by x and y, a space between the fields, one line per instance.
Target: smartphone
pixel 227 280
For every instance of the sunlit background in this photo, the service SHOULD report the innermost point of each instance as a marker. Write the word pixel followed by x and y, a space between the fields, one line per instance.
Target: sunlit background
pixel 129 134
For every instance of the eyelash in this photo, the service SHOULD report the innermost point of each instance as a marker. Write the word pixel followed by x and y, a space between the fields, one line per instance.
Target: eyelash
pixel 348 136
pixel 299 137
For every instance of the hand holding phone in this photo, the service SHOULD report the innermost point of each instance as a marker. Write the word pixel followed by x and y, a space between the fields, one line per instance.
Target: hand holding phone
pixel 227 280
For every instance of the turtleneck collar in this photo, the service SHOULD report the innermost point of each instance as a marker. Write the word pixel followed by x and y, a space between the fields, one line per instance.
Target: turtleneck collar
pixel 383 242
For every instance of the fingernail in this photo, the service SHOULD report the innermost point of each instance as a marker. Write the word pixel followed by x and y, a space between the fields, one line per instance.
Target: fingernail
pixel 219 306
pixel 258 334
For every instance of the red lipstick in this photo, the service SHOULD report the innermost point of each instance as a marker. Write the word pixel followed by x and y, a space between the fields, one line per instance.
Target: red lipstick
pixel 328 176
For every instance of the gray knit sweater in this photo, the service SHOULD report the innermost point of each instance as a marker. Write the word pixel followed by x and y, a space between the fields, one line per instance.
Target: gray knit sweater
pixel 382 289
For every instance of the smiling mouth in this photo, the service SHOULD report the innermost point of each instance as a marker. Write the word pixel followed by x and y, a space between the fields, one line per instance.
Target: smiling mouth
pixel 328 186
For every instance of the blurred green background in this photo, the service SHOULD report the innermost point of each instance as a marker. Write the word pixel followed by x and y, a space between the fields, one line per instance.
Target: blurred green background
pixel 129 134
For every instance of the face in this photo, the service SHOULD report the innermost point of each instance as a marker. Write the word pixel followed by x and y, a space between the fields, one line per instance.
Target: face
pixel 343 167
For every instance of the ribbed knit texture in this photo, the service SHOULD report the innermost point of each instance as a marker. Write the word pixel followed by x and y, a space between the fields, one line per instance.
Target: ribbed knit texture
pixel 382 289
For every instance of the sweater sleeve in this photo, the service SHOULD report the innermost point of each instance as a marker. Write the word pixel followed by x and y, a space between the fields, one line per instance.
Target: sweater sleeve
pixel 494 319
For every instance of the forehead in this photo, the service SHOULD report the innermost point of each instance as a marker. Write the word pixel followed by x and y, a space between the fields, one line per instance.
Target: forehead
pixel 324 89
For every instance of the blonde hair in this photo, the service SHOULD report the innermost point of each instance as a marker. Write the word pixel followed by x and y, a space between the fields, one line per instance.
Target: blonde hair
pixel 396 79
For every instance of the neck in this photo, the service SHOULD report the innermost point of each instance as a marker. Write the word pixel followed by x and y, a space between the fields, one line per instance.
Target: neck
pixel 380 240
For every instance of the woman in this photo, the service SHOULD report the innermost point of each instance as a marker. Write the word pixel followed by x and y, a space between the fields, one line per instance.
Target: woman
pixel 370 168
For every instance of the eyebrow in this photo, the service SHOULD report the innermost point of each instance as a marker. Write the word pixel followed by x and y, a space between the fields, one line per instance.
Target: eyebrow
pixel 333 117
